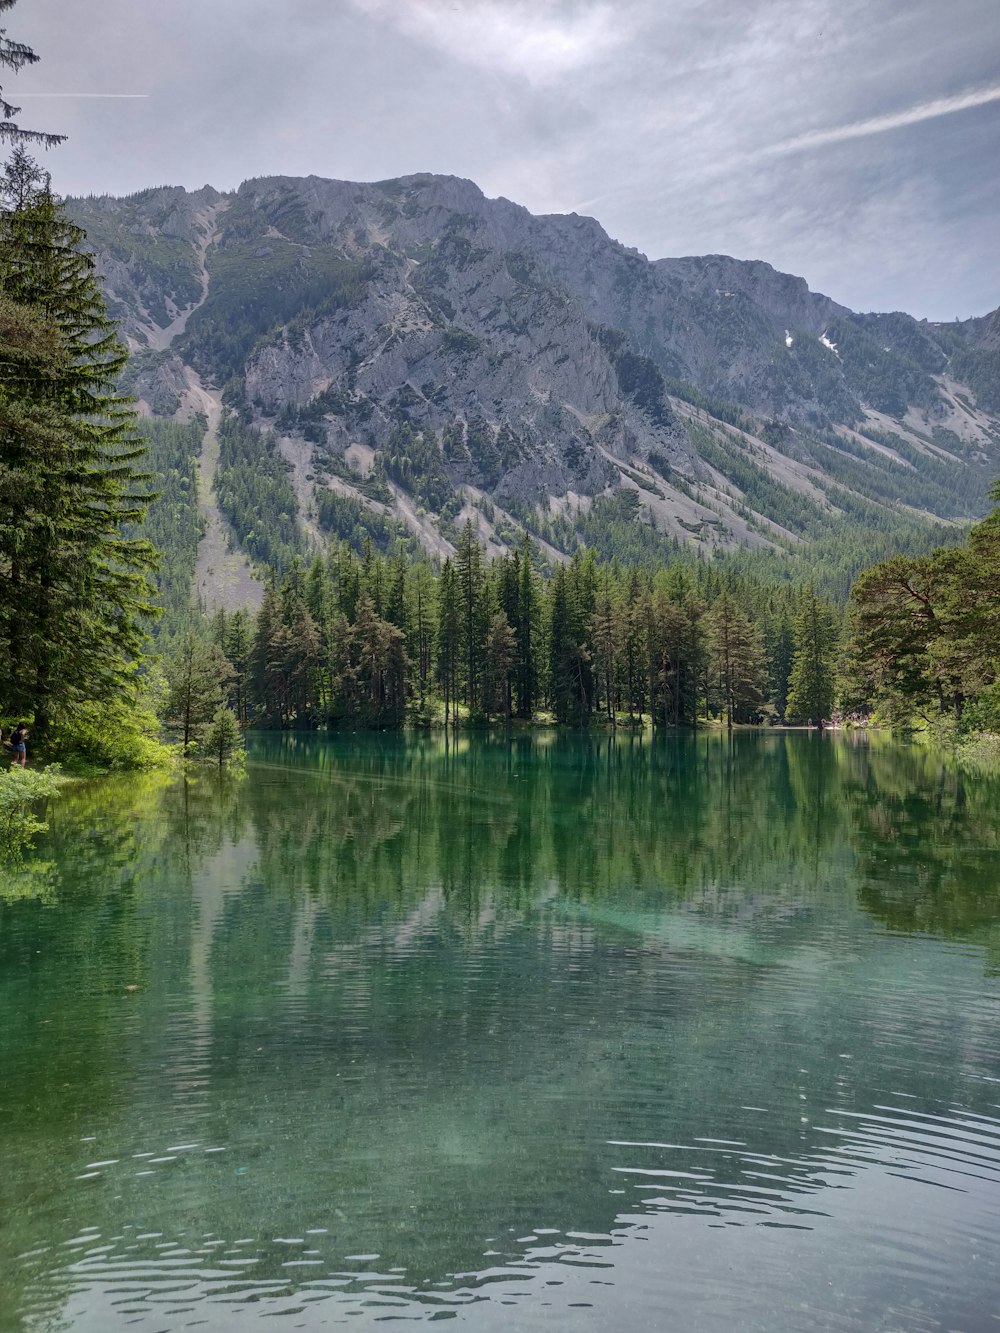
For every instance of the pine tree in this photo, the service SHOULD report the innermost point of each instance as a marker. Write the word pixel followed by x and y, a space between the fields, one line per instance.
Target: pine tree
pixel 269 673
pixel 14 56
pixel 448 636
pixel 303 661
pixel 526 629
pixel 606 635
pixel 381 662
pixel 569 658
pixel 29 427
pixel 469 572
pixel 421 618
pixel 633 622
pixel 668 656
pixel 74 588
pixel 501 653
pixel 197 673
pixel 779 641
pixel 811 684
pixel 237 647
pixel 223 740
pixel 737 659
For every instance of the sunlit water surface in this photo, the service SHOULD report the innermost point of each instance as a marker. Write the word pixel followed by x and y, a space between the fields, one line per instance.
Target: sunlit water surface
pixel 557 1033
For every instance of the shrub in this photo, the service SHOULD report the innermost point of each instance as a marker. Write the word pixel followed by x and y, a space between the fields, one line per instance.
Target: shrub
pixel 21 789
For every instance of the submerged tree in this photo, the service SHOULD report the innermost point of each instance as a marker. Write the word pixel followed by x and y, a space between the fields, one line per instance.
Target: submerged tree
pixel 223 739
pixel 197 673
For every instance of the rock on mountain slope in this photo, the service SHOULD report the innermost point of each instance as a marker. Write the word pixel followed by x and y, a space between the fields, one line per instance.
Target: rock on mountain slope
pixel 422 352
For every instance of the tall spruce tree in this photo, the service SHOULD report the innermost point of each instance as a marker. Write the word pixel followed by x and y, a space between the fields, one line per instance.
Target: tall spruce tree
pixel 197 673
pixel 498 674
pixel 606 635
pixel 736 660
pixel 811 684
pixel 74 585
pixel 14 56
pixel 449 631
pixel 526 629
pixel 469 572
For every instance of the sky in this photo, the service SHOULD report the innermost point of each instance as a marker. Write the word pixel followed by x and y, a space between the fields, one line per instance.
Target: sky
pixel 852 142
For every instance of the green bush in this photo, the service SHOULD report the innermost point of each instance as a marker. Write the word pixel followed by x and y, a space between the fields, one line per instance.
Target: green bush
pixel 103 738
pixel 223 742
pixel 21 789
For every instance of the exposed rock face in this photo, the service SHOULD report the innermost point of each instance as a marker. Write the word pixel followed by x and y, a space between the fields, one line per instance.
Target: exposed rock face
pixel 539 357
pixel 146 248
pixel 158 381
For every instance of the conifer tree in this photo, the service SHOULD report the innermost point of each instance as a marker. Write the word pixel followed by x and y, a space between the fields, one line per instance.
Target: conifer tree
pixel 469 572
pixel 737 659
pixel 780 646
pixel 381 661
pixel 421 616
pixel 237 647
pixel 811 684
pixel 633 620
pixel 669 658
pixel 14 56
pixel 303 658
pixel 448 636
pixel 501 650
pixel 526 629
pixel 196 674
pixel 606 636
pixel 223 739
pixel 569 657
pixel 74 588
pixel 395 606
pixel 29 427
pixel 270 683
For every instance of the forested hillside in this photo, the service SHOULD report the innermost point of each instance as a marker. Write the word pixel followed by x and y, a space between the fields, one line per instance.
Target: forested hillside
pixel 389 361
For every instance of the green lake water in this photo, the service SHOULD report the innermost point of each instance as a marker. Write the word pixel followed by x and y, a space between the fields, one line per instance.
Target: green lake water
pixel 554 1033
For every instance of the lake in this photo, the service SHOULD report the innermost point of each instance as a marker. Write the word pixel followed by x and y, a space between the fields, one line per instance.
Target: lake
pixel 559 1032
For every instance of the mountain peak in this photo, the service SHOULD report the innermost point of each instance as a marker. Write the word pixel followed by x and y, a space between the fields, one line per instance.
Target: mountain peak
pixel 418 348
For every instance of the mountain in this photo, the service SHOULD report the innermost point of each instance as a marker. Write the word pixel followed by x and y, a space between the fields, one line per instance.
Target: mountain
pixel 392 358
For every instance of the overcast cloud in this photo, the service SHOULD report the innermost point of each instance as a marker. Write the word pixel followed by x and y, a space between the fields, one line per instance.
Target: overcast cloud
pixel 854 142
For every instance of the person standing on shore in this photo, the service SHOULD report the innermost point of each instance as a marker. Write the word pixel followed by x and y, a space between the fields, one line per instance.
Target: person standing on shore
pixel 18 741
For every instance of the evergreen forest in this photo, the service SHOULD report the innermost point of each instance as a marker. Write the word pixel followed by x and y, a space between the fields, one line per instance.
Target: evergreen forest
pixel 374 640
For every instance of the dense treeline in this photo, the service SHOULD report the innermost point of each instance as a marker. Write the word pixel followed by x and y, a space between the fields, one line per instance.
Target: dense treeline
pixel 925 633
pixel 377 641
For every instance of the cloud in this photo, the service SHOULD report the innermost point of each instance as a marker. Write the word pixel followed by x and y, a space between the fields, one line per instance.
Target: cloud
pixel 540 42
pixel 896 120
pixel 688 127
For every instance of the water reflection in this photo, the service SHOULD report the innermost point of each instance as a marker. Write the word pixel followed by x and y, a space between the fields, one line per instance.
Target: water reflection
pixel 424 1030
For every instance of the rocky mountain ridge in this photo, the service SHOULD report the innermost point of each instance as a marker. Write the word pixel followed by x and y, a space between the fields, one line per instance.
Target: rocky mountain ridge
pixel 427 354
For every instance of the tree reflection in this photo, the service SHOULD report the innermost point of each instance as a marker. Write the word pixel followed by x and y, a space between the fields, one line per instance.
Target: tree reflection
pixel 418 990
